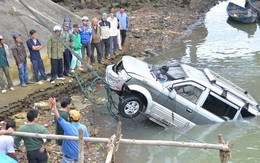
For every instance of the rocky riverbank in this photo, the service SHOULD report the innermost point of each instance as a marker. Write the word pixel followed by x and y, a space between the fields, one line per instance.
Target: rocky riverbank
pixel 154 25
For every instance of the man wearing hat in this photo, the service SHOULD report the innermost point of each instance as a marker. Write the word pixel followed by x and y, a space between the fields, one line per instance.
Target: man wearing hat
pixel 114 22
pixel 4 66
pixel 55 51
pixel 69 41
pixel 75 62
pixel 71 128
pixel 124 23
pixel 105 35
pixel 20 57
pixel 85 34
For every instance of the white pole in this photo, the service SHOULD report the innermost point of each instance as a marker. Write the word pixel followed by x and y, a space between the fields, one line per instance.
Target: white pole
pixel 128 141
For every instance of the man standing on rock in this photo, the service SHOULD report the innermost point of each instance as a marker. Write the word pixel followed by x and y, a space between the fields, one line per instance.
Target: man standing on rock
pixel 96 42
pixel 34 47
pixel 124 23
pixel 20 57
pixel 105 35
pixel 85 34
pixel 55 51
pixel 35 147
pixel 69 41
pixel 4 66
pixel 75 62
pixel 114 22
pixel 71 128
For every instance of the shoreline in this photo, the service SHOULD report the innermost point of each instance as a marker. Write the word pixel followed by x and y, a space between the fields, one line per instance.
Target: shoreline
pixel 140 43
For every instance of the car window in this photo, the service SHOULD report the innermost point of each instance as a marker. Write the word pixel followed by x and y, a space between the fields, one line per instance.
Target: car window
pixel 220 107
pixel 189 92
pixel 168 73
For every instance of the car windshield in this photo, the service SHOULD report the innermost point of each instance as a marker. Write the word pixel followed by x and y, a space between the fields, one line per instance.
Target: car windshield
pixel 166 73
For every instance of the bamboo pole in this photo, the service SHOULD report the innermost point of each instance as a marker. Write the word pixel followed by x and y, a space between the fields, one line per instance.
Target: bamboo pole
pixel 117 139
pixel 81 146
pixel 128 141
pixel 110 149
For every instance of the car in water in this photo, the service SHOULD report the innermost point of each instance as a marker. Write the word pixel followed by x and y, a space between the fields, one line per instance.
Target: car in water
pixel 177 94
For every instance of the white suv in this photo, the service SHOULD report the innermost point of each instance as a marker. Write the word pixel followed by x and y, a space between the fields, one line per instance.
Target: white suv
pixel 177 95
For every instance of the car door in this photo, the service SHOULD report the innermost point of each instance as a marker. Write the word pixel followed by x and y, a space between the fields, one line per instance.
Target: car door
pixel 185 102
pixel 215 109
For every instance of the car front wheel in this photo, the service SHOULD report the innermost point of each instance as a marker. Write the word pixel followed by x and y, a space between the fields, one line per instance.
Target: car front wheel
pixel 130 106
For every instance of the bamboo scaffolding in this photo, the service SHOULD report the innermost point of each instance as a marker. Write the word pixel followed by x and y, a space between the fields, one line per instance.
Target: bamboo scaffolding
pixel 222 147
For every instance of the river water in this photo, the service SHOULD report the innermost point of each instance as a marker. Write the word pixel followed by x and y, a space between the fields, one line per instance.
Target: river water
pixel 230 49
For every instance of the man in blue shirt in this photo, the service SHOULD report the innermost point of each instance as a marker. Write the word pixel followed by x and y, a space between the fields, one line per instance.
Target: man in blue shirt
pixel 71 128
pixel 85 32
pixel 34 47
pixel 124 23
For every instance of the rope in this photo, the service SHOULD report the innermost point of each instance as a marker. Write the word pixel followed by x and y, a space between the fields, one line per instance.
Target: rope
pixel 84 85
pixel 81 81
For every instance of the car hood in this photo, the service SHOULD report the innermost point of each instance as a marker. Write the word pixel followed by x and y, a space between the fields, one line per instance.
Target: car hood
pixel 136 67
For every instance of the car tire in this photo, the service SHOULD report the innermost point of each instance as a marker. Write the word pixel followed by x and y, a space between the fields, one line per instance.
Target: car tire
pixel 130 106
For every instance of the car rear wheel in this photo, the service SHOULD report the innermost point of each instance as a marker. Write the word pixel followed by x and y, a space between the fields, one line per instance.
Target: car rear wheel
pixel 130 106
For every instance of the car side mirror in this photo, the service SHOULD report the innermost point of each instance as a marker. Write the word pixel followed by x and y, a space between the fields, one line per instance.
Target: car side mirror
pixel 172 94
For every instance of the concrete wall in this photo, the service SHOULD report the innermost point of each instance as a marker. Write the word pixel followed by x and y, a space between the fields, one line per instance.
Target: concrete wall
pixel 16 18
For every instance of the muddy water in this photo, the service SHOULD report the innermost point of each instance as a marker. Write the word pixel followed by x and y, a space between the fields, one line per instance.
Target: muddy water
pixel 230 49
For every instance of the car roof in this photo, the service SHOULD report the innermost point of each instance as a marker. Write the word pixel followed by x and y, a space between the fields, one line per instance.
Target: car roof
pixel 135 65
pixel 214 81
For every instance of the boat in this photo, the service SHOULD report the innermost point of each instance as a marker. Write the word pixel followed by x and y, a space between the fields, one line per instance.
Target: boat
pixel 254 5
pixel 241 14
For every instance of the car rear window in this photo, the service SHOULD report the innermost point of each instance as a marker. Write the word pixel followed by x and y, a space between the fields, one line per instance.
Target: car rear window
pixel 219 107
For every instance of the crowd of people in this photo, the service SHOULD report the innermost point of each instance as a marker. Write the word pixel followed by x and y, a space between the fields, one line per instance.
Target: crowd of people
pixel 67 123
pixel 105 35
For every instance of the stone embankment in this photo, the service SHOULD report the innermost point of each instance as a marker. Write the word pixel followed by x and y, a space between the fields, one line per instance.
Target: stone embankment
pixel 24 98
pixel 154 27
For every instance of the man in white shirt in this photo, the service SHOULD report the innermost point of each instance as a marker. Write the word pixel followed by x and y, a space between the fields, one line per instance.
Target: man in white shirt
pixel 7 141
pixel 114 23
